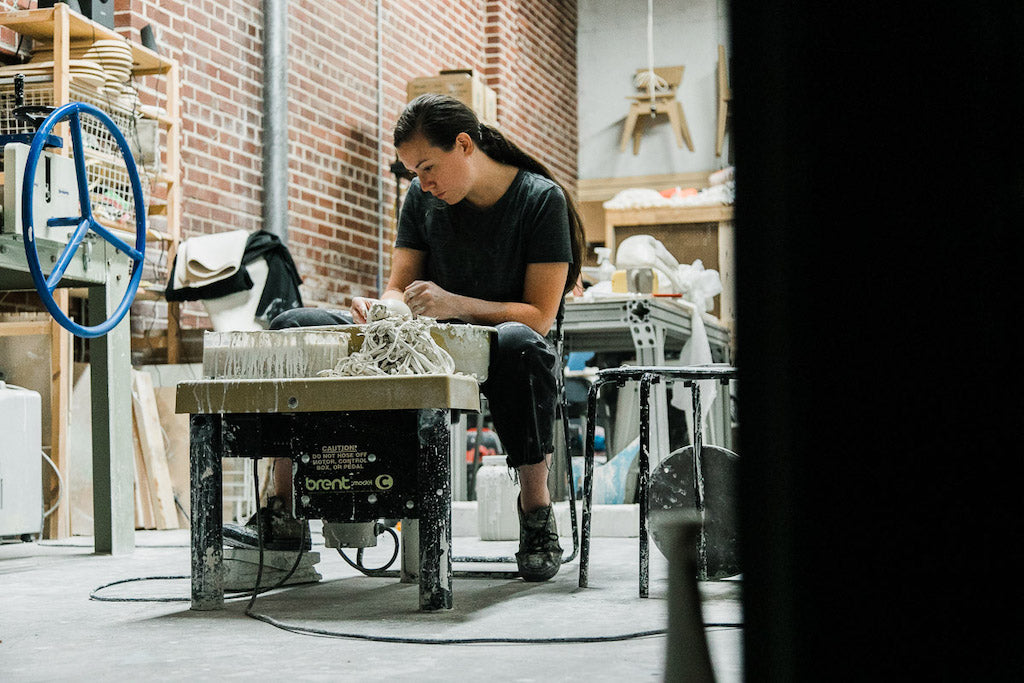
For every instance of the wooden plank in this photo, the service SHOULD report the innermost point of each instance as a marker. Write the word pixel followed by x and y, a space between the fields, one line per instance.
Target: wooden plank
pixel 176 431
pixel 150 436
pixel 61 32
pixel 17 328
pixel 173 171
pixel 58 524
pixel 603 189
pixel 144 518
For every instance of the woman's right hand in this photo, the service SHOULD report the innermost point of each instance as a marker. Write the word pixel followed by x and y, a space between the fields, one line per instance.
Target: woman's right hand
pixel 360 309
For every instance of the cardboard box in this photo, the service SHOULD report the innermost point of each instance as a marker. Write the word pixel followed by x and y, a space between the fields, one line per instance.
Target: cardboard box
pixel 463 85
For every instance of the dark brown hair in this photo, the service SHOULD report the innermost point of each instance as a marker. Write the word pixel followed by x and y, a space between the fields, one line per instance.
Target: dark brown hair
pixel 440 119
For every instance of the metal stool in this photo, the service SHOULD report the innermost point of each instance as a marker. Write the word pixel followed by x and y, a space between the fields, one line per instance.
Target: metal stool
pixel 646 376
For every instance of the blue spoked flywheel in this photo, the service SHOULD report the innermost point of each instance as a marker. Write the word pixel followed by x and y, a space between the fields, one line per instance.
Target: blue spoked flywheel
pixel 45 284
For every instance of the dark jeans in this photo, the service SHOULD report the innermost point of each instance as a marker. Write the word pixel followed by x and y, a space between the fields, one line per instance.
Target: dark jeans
pixel 520 386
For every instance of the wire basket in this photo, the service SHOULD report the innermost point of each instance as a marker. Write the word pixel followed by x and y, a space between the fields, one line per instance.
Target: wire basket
pixel 110 189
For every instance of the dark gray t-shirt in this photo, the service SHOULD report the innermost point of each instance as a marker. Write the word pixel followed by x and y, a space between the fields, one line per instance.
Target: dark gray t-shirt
pixel 483 253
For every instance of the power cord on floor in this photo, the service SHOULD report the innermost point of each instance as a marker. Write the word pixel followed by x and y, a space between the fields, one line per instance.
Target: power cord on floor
pixel 325 633
pixel 259 536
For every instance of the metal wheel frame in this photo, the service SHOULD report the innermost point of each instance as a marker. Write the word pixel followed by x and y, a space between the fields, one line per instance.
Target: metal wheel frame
pixel 85 222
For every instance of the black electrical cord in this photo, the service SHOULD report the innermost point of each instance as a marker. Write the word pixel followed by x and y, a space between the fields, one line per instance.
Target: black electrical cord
pixel 233 594
pixel 259 535
pixel 358 564
pixel 324 633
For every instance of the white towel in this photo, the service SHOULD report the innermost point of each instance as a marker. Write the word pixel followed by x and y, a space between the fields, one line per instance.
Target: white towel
pixel 208 258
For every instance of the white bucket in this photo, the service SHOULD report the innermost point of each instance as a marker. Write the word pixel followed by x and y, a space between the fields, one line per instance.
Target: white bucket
pixel 497 516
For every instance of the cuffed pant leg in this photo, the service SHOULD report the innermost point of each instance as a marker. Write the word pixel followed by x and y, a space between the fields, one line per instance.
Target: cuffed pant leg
pixel 310 317
pixel 523 419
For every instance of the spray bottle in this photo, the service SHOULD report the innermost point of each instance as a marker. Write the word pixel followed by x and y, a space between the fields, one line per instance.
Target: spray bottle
pixel 605 268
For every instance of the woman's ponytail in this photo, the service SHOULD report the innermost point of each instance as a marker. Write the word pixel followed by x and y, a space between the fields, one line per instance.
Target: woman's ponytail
pixel 495 145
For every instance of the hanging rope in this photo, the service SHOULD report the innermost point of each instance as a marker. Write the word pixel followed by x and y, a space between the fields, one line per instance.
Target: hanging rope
pixel 649 80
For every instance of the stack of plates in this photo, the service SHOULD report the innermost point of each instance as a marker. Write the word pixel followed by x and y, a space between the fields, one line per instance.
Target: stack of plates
pixel 126 97
pixel 83 71
pixel 113 57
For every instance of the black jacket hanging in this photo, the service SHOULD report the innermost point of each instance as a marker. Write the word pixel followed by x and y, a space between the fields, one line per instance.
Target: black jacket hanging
pixel 280 293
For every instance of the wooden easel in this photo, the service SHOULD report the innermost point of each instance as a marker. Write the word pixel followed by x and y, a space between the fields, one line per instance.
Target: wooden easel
pixel 664 102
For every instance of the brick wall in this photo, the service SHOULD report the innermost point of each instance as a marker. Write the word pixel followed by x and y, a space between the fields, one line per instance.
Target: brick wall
pixel 524 48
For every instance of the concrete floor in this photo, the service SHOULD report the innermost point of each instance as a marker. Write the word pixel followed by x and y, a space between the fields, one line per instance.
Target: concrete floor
pixel 51 630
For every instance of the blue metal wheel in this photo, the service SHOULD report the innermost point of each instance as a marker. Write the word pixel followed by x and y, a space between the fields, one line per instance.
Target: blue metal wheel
pixel 45 284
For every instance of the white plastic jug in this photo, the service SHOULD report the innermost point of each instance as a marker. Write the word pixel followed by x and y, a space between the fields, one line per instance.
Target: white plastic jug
pixel 497 517
pixel 21 465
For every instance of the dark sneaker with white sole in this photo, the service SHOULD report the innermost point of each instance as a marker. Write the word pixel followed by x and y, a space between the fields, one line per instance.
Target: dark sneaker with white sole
pixel 281 531
pixel 539 555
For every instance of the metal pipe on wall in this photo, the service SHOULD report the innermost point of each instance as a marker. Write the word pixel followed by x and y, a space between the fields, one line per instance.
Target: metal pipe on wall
pixel 275 118
pixel 380 148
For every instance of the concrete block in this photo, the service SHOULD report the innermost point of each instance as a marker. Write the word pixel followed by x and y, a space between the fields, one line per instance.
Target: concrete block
pixel 241 566
pixel 621 521
pixel 464 518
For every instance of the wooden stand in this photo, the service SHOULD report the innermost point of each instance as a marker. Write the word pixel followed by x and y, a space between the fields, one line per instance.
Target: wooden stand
pixel 640 110
pixel 670 225
pixel 113 529
pixel 663 102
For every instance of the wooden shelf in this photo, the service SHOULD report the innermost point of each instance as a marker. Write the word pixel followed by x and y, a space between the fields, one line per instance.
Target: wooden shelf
pixel 62 28
pixel 657 215
pixel 674 223
pixel 38 24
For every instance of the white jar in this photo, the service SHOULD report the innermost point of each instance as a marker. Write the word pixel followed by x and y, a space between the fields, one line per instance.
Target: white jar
pixel 497 515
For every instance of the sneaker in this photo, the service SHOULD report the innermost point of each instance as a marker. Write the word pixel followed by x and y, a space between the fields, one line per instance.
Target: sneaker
pixel 539 555
pixel 281 531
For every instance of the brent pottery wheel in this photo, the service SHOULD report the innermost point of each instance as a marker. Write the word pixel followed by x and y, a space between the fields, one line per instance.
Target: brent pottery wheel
pixel 468 345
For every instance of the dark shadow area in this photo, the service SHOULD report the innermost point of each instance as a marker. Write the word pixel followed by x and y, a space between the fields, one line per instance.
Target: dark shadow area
pixel 878 212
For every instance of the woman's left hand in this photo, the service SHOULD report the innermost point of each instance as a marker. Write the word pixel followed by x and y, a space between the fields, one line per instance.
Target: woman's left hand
pixel 426 298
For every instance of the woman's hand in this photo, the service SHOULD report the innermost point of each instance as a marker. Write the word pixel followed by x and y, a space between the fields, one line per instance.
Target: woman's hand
pixel 426 298
pixel 360 309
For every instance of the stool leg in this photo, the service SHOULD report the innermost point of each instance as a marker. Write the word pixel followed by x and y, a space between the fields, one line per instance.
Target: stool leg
pixel 627 129
pixel 435 497
pixel 588 483
pixel 698 478
pixel 675 113
pixel 643 482
pixel 207 512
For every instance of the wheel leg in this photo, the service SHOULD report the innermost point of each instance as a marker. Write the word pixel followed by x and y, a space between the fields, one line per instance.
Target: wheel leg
pixel 207 512
pixel 435 494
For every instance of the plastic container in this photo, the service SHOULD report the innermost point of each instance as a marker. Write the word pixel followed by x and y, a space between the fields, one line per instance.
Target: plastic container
pixel 497 516
pixel 604 263
pixel 21 489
